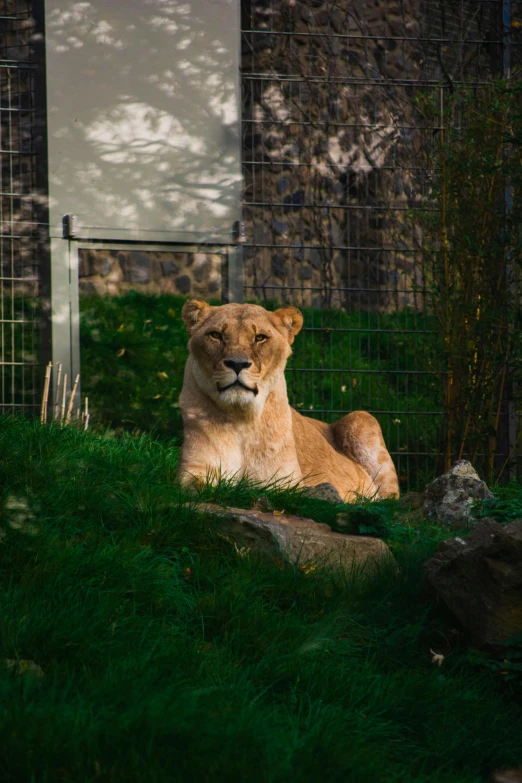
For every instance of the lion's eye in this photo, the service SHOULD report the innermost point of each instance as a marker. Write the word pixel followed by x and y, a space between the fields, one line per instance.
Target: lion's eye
pixel 215 335
pixel 260 338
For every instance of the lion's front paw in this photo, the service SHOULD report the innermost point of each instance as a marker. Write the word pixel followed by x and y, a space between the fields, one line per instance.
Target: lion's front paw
pixel 191 481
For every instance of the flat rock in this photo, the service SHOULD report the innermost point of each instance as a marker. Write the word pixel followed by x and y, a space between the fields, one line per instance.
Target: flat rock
pixel 297 539
pixel 448 499
pixel 479 577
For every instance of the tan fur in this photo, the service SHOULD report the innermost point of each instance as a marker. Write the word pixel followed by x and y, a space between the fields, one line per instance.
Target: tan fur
pixel 250 429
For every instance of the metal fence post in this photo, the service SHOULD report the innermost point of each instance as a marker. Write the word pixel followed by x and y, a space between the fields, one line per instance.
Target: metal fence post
pixel 233 286
pixel 507 426
pixel 42 186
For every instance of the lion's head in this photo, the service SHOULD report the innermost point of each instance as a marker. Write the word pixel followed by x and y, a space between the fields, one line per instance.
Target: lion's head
pixel 239 351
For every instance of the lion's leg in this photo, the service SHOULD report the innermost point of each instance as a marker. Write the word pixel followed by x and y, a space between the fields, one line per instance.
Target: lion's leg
pixel 359 436
pixel 198 476
pixel 197 480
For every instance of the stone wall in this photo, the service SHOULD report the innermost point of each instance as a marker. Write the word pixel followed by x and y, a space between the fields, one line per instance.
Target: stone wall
pixel 333 149
pixel 334 146
pixel 22 232
pixel 115 272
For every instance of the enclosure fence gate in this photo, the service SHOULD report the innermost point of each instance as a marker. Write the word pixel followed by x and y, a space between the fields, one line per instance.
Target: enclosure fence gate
pixel 333 180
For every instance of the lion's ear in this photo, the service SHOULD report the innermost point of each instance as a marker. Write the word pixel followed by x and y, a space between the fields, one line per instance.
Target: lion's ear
pixel 291 319
pixel 194 312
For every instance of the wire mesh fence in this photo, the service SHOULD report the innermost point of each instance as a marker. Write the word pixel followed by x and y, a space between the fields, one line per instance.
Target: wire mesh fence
pixel 334 160
pixel 20 229
pixel 334 153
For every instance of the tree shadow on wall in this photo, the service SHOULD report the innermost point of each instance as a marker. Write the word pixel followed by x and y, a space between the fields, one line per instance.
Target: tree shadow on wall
pixel 143 114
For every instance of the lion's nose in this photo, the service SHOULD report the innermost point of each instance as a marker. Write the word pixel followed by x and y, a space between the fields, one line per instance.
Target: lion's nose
pixel 236 365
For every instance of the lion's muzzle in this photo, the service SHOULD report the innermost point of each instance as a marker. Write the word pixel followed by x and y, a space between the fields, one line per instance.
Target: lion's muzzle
pixel 237 363
pixel 237 383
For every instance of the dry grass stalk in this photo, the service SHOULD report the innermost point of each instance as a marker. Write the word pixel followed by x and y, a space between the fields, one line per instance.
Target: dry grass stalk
pixel 64 395
pixel 63 405
pixel 57 394
pixel 71 400
pixel 45 397
pixel 87 414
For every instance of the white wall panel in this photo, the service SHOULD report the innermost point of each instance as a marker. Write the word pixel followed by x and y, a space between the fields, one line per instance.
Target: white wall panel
pixel 143 128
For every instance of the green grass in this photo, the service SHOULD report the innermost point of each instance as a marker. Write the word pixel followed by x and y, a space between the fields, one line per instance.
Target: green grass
pixel 133 352
pixel 168 657
pixel 505 506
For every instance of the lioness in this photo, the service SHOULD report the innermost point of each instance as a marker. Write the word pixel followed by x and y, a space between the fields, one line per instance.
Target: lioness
pixel 236 415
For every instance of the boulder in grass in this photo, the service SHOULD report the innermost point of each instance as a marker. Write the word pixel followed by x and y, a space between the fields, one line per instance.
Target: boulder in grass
pixel 448 499
pixel 23 666
pixel 507 776
pixel 298 540
pixel 324 491
pixel 479 577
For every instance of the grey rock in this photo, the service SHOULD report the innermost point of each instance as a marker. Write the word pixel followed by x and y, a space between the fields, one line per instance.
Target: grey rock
pixel 183 284
pixel 305 273
pixel 339 23
pixel 316 258
pixel 24 666
pixel 83 265
pixel 323 491
pixel 272 141
pixel 335 235
pixel 278 227
pixel 261 235
pixel 104 267
pixel 283 184
pixel 507 775
pixel 168 268
pixel 93 263
pixel 334 46
pixel 298 540
pixel 87 289
pixel 136 267
pixel 202 268
pixel 320 18
pixel 294 200
pixel 449 497
pixel 279 266
pixel 479 577
pixel 259 43
pixel 291 155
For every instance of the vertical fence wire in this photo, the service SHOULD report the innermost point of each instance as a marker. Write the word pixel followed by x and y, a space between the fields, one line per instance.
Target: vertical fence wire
pixel 334 163
pixel 19 243
pixel 333 151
